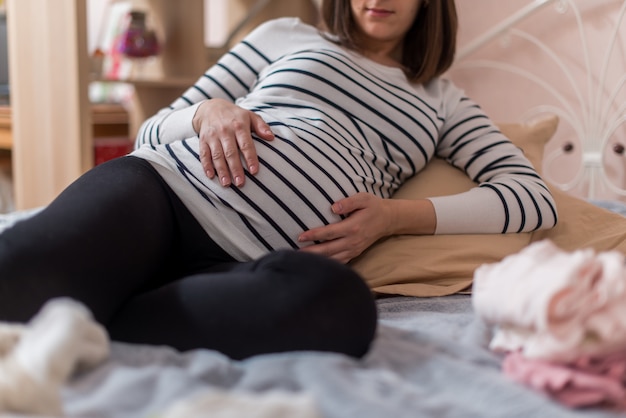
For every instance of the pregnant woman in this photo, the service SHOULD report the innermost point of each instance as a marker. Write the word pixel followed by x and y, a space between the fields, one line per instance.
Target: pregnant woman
pixel 230 225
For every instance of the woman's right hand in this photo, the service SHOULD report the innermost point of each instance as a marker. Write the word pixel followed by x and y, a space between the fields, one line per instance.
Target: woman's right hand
pixel 225 132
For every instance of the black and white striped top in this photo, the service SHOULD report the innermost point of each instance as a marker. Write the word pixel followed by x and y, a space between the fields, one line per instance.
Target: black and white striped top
pixel 343 124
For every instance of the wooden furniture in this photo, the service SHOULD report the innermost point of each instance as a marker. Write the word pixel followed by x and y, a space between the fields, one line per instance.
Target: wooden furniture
pixel 108 120
pixel 49 64
pixel 6 138
pixel 51 118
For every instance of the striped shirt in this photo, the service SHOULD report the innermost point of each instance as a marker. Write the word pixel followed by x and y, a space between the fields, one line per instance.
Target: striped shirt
pixel 343 124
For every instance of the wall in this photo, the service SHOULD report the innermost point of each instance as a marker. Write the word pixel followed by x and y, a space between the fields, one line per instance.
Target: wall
pixel 568 72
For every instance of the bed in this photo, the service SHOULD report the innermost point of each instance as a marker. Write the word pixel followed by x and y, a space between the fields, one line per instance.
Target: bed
pixel 431 356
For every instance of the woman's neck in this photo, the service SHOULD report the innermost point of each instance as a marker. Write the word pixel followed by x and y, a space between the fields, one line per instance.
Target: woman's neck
pixel 383 59
pixel 383 53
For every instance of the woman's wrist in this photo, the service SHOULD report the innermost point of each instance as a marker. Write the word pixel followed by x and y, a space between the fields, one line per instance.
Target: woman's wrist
pixel 412 217
pixel 196 121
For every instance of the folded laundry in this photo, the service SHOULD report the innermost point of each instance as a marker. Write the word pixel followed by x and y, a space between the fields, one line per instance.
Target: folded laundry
pixel 585 382
pixel 551 304
pixel 561 320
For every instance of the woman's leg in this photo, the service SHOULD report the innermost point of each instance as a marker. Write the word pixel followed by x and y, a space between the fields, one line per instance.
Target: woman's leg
pixel 115 231
pixel 285 301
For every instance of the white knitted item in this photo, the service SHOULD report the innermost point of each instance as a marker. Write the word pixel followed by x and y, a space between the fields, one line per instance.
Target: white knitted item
pixel 60 339
pixel 9 336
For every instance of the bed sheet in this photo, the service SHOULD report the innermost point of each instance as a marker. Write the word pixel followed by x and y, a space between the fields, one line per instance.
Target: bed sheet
pixel 429 359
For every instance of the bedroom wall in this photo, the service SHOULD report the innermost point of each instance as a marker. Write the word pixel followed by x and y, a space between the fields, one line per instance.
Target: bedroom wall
pixel 574 88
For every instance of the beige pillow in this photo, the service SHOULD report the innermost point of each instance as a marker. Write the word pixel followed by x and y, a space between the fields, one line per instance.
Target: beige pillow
pixel 444 264
pixel 584 225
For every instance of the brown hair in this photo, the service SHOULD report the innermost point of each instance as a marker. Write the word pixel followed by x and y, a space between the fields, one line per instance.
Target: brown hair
pixel 429 45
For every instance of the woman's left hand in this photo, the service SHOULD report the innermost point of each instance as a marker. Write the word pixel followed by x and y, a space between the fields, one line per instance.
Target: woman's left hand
pixel 368 218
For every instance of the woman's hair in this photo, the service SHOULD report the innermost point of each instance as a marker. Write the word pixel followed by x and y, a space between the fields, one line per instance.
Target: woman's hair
pixel 429 45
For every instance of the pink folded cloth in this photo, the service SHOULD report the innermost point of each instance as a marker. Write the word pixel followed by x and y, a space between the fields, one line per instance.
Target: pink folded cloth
pixel 550 304
pixel 584 383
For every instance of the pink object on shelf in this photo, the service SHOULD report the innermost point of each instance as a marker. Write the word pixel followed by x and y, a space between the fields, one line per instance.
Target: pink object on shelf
pixel 138 41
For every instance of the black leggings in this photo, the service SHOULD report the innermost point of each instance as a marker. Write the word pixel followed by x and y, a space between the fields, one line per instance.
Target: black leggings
pixel 120 241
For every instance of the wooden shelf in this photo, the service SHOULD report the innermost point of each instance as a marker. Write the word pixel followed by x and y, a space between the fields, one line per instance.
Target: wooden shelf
pixel 162 82
pixel 107 120
pixel 108 114
pixel 6 139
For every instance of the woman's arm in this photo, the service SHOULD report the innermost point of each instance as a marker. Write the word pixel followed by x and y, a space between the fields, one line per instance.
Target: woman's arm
pixel 207 109
pixel 231 78
pixel 368 219
pixel 224 130
pixel 510 196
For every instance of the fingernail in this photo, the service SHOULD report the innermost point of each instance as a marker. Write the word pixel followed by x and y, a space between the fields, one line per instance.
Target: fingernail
pixel 209 174
pixel 336 208
pixel 238 181
pixel 253 169
pixel 225 181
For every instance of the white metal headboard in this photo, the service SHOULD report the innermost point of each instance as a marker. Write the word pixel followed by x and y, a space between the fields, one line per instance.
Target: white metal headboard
pixel 598 111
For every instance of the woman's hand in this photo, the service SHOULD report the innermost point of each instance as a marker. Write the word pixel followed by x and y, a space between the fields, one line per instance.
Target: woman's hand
pixel 369 218
pixel 225 132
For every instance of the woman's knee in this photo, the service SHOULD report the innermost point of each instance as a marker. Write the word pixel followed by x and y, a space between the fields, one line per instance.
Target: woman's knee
pixel 328 297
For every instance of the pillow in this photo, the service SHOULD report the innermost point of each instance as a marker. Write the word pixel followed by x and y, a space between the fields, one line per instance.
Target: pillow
pixel 584 225
pixel 437 265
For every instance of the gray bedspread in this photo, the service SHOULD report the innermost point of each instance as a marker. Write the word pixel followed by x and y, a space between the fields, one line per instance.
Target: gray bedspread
pixel 428 360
